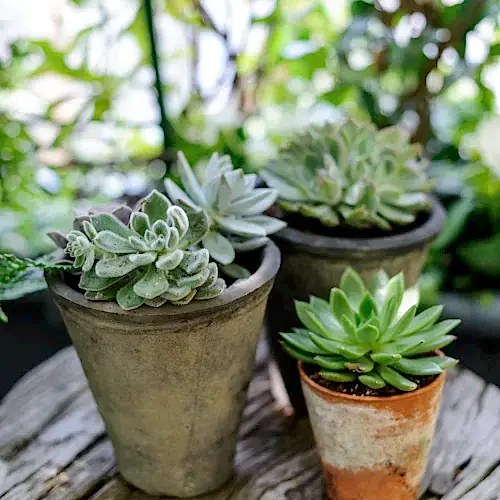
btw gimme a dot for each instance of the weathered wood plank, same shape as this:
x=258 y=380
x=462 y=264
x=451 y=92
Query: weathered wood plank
x=58 y=450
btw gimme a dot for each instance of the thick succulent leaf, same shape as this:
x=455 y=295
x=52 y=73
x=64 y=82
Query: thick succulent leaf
x=219 y=247
x=152 y=284
x=352 y=285
x=138 y=244
x=367 y=335
x=195 y=261
x=422 y=366
x=431 y=346
x=297 y=353
x=176 y=293
x=323 y=312
x=232 y=225
x=392 y=377
x=116 y=267
x=108 y=293
x=212 y=170
x=224 y=196
x=258 y=201
x=213 y=291
x=250 y=182
x=395 y=215
x=247 y=245
x=189 y=180
x=385 y=358
x=396 y=288
x=350 y=328
x=186 y=300
x=89 y=260
x=424 y=320
x=388 y=312
x=372 y=380
x=411 y=201
x=155 y=206
x=123 y=213
x=354 y=193
x=211 y=189
x=444 y=362
x=140 y=223
x=330 y=191
x=169 y=261
x=368 y=307
x=335 y=363
x=340 y=305
x=179 y=219
x=236 y=181
x=90 y=281
x=156 y=302
x=113 y=243
x=270 y=225
x=305 y=313
x=142 y=259
x=325 y=214
x=127 y=299
x=236 y=271
x=161 y=228
x=89 y=229
x=302 y=342
x=397 y=330
x=176 y=194
x=338 y=376
x=108 y=222
x=351 y=352
x=362 y=365
x=194 y=280
x=58 y=238
x=286 y=191
x=199 y=225
x=213 y=274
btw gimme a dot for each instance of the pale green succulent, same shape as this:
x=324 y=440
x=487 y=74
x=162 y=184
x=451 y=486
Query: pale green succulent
x=351 y=174
x=148 y=259
x=234 y=206
x=358 y=335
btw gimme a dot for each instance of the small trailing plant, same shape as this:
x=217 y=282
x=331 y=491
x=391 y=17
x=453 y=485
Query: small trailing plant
x=147 y=256
x=234 y=206
x=351 y=174
x=359 y=336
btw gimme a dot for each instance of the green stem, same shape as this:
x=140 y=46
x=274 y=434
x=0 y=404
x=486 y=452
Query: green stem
x=164 y=123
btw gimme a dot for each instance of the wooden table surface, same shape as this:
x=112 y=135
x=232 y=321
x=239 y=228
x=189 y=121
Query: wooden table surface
x=53 y=444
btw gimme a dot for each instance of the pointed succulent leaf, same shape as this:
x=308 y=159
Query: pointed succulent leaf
x=353 y=287
x=385 y=358
x=305 y=312
x=199 y=225
x=286 y=190
x=372 y=380
x=236 y=181
x=258 y=201
x=351 y=352
x=58 y=238
x=89 y=229
x=340 y=305
x=401 y=325
x=189 y=180
x=302 y=342
x=176 y=194
x=395 y=379
x=424 y=320
x=298 y=354
x=431 y=346
x=122 y=213
x=368 y=307
x=219 y=247
x=367 y=335
x=338 y=376
x=422 y=366
x=361 y=365
x=335 y=363
x=113 y=243
x=270 y=225
x=247 y=245
x=213 y=169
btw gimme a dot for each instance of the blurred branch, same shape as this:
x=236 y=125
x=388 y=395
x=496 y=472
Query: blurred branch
x=168 y=133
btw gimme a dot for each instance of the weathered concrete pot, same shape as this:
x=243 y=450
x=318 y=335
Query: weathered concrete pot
x=372 y=448
x=171 y=382
x=312 y=264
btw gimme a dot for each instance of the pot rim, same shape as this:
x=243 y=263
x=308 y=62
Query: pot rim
x=368 y=399
x=267 y=270
x=329 y=246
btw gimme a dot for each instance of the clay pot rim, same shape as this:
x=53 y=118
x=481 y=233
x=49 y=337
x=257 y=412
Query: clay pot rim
x=267 y=270
x=368 y=399
x=328 y=246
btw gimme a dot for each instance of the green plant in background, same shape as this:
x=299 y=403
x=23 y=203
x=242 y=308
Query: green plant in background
x=135 y=257
x=234 y=206
x=358 y=335
x=351 y=174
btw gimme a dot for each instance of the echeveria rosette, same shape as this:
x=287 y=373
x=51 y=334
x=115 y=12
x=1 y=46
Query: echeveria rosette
x=146 y=260
x=233 y=203
x=359 y=335
x=351 y=174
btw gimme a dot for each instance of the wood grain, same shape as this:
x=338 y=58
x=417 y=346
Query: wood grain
x=53 y=444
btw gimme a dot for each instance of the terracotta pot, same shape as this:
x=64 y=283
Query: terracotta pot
x=372 y=448
x=313 y=264
x=171 y=383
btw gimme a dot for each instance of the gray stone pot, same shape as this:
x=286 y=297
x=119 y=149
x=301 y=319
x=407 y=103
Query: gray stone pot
x=171 y=382
x=312 y=264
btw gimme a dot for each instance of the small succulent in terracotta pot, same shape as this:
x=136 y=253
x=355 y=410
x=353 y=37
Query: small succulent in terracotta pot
x=353 y=196
x=372 y=381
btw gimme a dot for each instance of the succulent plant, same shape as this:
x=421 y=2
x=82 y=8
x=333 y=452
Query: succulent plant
x=358 y=335
x=145 y=256
x=351 y=174
x=233 y=203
